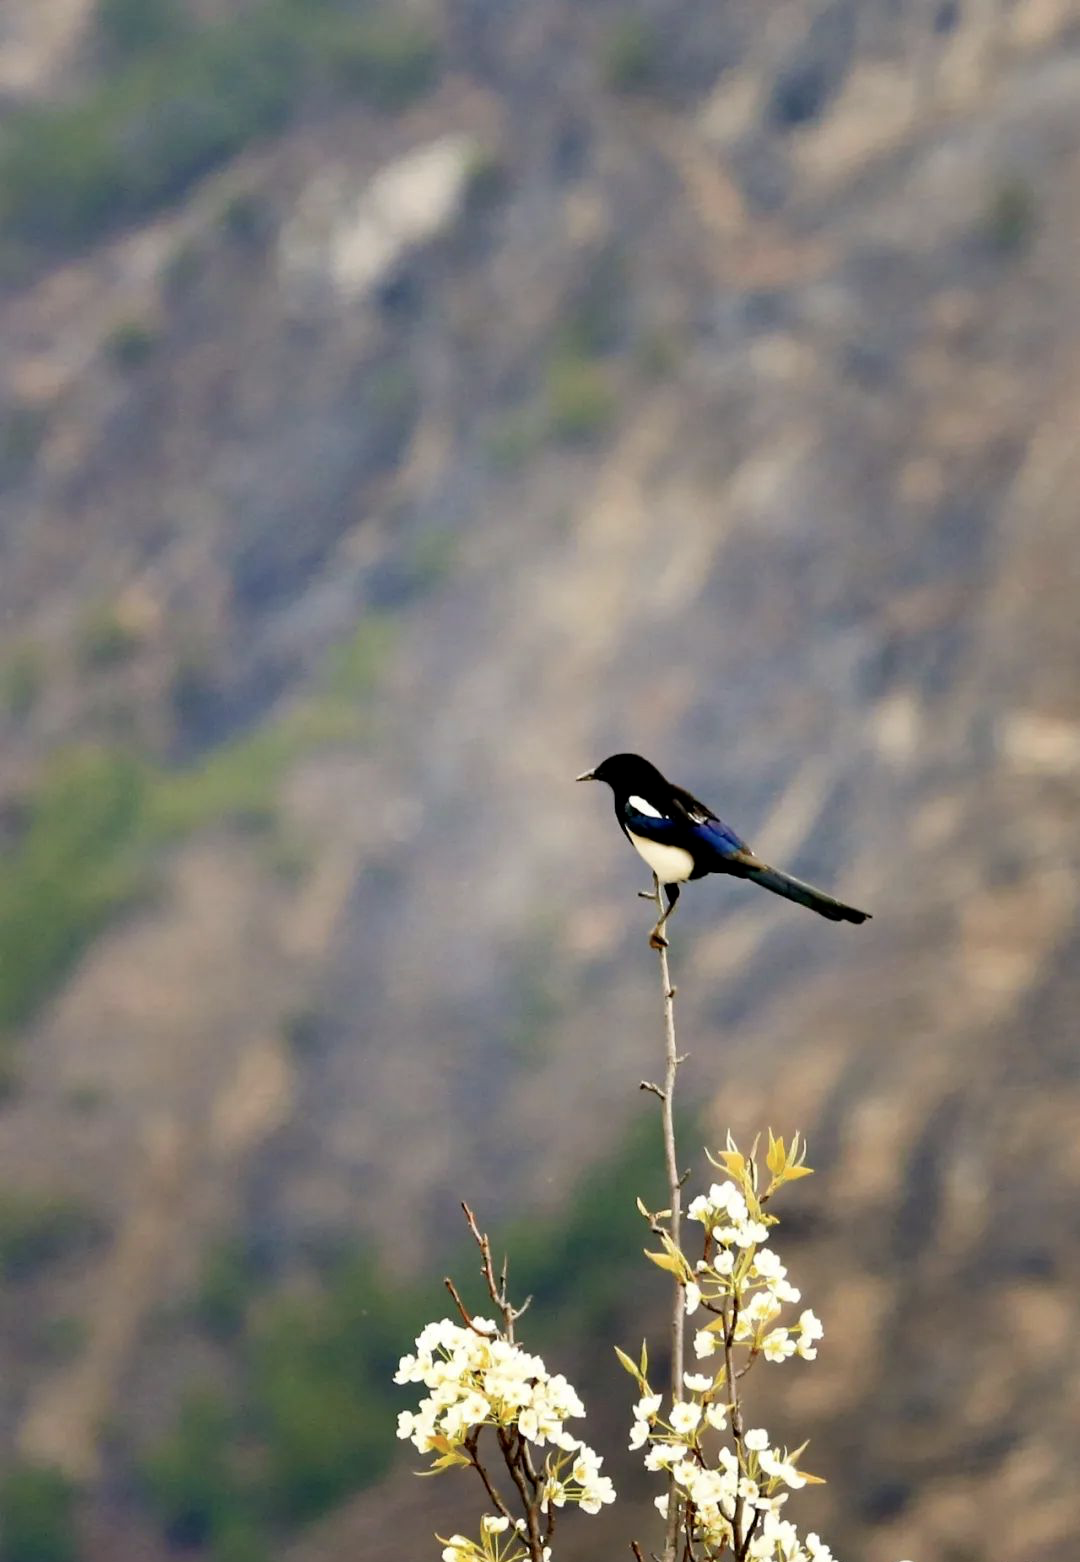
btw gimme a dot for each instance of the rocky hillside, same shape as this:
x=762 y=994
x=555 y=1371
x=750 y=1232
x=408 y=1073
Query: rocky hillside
x=399 y=410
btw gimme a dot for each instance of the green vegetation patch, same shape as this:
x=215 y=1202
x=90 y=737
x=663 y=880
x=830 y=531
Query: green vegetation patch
x=630 y=55
x=127 y=29
x=74 y=866
x=322 y=1398
x=22 y=430
x=99 y=816
x=354 y=667
x=386 y=60
x=312 y=1419
x=192 y=1480
x=22 y=678
x=131 y=343
x=225 y=1291
x=37 y=1515
x=39 y=1229
x=1011 y=218
x=181 y=100
x=581 y=399
x=105 y=637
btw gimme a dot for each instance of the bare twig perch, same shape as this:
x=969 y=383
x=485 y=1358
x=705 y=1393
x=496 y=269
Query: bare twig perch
x=667 y=1118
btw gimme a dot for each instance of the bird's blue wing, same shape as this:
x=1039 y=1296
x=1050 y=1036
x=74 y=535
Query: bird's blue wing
x=718 y=837
x=692 y=827
x=641 y=818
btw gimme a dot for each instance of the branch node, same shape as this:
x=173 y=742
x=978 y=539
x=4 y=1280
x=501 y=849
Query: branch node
x=647 y=1084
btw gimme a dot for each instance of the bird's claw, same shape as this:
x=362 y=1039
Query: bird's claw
x=657 y=939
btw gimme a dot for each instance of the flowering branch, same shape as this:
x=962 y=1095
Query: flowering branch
x=730 y=1502
x=726 y=1484
x=479 y=1377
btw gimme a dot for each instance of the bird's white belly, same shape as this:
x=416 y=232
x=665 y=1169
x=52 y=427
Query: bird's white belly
x=671 y=864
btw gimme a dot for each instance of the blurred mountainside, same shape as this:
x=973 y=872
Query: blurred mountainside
x=400 y=409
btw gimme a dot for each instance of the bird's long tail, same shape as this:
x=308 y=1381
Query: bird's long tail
x=804 y=894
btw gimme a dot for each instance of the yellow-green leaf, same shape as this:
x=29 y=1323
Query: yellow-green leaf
x=665 y=1261
x=628 y=1364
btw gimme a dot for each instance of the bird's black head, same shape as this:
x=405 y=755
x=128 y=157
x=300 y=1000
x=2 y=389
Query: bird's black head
x=626 y=773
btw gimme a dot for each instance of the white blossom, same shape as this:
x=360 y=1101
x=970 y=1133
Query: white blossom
x=777 y=1345
x=779 y=1467
x=685 y=1417
x=810 y=1331
x=475 y=1377
x=660 y=1456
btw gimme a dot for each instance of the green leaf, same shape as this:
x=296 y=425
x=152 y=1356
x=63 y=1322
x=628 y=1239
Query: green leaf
x=628 y=1364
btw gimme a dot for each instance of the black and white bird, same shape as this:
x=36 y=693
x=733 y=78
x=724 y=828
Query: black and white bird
x=680 y=838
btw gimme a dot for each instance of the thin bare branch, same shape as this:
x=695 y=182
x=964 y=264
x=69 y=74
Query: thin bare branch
x=487 y=1269
x=529 y=1501
x=489 y=1486
x=466 y=1316
x=497 y=1289
x=732 y=1378
x=675 y=1182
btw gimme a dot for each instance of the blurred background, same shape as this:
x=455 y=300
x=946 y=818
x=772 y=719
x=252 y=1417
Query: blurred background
x=402 y=407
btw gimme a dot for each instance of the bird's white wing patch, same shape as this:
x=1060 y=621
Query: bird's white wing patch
x=671 y=864
x=642 y=807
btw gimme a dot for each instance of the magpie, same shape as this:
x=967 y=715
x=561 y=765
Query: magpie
x=682 y=839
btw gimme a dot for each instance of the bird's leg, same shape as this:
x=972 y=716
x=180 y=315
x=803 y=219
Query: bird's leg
x=656 y=937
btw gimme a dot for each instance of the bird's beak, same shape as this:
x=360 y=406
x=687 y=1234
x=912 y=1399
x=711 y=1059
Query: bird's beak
x=586 y=775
